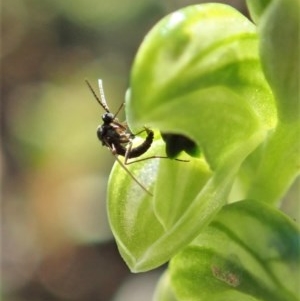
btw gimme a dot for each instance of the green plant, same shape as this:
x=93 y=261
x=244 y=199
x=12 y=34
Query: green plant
x=210 y=74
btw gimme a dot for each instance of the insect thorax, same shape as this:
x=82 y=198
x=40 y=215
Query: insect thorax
x=111 y=134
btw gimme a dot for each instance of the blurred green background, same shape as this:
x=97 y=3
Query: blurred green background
x=56 y=244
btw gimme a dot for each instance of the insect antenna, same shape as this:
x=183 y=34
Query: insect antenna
x=101 y=89
x=102 y=96
x=101 y=101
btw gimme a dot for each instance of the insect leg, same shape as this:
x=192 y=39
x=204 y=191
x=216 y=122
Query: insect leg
x=113 y=151
x=155 y=157
x=120 y=108
x=128 y=151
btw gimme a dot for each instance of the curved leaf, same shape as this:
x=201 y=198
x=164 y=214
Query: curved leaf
x=249 y=252
x=163 y=291
x=277 y=165
x=257 y=8
x=149 y=230
x=280 y=55
x=197 y=73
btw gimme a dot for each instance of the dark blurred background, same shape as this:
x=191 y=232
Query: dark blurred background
x=56 y=243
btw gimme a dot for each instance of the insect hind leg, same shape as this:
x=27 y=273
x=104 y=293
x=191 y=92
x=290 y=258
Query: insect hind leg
x=154 y=157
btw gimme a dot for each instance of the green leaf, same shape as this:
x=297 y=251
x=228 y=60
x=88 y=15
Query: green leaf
x=273 y=168
x=277 y=164
x=197 y=73
x=149 y=230
x=249 y=252
x=280 y=54
x=140 y=225
x=163 y=291
x=257 y=8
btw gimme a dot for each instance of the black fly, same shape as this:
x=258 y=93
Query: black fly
x=117 y=137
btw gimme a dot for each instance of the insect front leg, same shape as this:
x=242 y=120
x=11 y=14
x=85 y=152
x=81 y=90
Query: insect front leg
x=114 y=151
x=128 y=151
x=140 y=132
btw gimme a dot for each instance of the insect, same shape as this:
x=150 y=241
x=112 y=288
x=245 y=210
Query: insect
x=117 y=137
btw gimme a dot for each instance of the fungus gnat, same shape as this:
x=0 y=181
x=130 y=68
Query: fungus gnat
x=118 y=138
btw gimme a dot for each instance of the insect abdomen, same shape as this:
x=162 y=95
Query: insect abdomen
x=141 y=149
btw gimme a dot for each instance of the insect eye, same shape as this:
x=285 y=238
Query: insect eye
x=100 y=133
x=107 y=117
x=99 y=129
